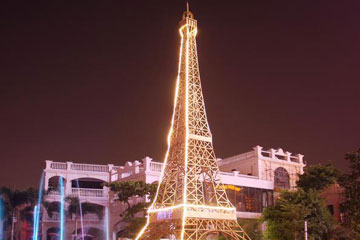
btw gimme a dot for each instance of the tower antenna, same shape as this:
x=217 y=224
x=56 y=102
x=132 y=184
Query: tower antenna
x=187 y=6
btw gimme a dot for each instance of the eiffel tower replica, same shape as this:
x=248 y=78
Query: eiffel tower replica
x=190 y=203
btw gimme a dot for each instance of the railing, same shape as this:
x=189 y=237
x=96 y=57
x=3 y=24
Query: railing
x=79 y=167
x=91 y=217
x=156 y=167
x=58 y=165
x=276 y=156
x=55 y=217
x=87 y=192
x=54 y=192
x=89 y=167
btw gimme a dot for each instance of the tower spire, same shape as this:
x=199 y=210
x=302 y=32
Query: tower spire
x=191 y=202
x=187 y=6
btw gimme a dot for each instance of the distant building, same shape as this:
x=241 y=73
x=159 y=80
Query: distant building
x=333 y=196
x=252 y=181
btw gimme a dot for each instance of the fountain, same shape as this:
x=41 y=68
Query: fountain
x=35 y=217
x=37 y=210
x=81 y=212
x=62 y=208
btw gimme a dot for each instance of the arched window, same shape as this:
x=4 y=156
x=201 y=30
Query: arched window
x=54 y=185
x=281 y=179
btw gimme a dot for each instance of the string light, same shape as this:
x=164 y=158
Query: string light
x=191 y=206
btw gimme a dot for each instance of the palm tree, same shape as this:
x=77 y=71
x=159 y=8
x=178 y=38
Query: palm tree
x=76 y=208
x=51 y=207
x=17 y=203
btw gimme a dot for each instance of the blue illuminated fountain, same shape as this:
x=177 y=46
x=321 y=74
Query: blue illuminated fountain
x=81 y=212
x=35 y=225
x=37 y=210
x=62 y=208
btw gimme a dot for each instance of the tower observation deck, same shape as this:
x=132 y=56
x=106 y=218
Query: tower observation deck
x=190 y=202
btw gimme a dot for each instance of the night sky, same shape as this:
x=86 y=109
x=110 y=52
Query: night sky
x=93 y=81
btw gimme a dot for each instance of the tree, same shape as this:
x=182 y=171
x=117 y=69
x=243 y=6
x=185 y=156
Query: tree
x=76 y=209
x=351 y=184
x=285 y=220
x=317 y=177
x=17 y=203
x=338 y=232
x=134 y=214
x=51 y=207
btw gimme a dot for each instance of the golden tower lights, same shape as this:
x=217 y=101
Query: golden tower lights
x=190 y=201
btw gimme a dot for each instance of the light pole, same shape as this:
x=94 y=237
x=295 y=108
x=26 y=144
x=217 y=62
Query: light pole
x=13 y=225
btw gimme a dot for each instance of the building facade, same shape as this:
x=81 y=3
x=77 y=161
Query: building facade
x=252 y=181
x=84 y=182
x=334 y=197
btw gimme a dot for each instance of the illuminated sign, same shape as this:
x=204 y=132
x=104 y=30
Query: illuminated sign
x=163 y=215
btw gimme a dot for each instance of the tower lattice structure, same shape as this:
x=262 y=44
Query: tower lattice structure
x=190 y=202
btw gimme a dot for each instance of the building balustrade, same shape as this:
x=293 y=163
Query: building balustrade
x=82 y=192
x=58 y=165
x=88 y=192
x=55 y=217
x=155 y=166
x=78 y=166
x=53 y=192
x=89 y=167
x=273 y=154
x=91 y=217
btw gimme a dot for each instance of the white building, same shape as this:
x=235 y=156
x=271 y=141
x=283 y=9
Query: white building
x=85 y=181
x=251 y=179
